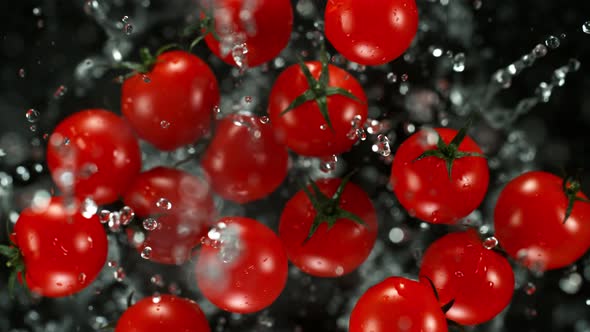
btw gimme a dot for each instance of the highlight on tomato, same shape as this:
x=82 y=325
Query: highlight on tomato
x=541 y=220
x=178 y=208
x=93 y=154
x=329 y=227
x=57 y=246
x=473 y=282
x=242 y=266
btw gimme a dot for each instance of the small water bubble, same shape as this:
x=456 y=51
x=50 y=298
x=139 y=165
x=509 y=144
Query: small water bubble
x=544 y=92
x=586 y=27
x=163 y=204
x=239 y=53
x=33 y=128
x=459 y=62
x=164 y=124
x=503 y=78
x=112 y=264
x=530 y=288
x=37 y=11
x=128 y=28
x=391 y=77
x=248 y=99
x=156 y=298
x=552 y=42
x=146 y=78
x=157 y=280
x=125 y=19
x=60 y=92
x=490 y=243
x=382 y=146
x=21 y=73
x=146 y=252
x=571 y=284
x=328 y=164
x=104 y=216
x=89 y=208
x=82 y=278
x=573 y=65
x=119 y=274
x=150 y=224
x=126 y=215
x=114 y=222
x=405 y=77
x=540 y=51
x=264 y=119
x=339 y=270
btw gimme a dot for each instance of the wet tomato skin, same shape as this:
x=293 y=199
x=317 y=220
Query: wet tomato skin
x=245 y=274
x=171 y=105
x=398 y=304
x=423 y=187
x=99 y=152
x=463 y=270
x=329 y=252
x=244 y=161
x=304 y=129
x=63 y=251
x=265 y=35
x=529 y=222
x=163 y=313
x=182 y=205
x=362 y=31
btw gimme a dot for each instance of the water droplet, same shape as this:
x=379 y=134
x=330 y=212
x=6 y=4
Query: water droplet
x=405 y=77
x=37 y=11
x=21 y=73
x=146 y=252
x=490 y=243
x=114 y=222
x=150 y=224
x=157 y=280
x=156 y=298
x=239 y=53
x=459 y=62
x=217 y=112
x=248 y=99
x=112 y=264
x=382 y=146
x=586 y=27
x=104 y=216
x=264 y=119
x=573 y=65
x=571 y=284
x=163 y=204
x=119 y=274
x=503 y=78
x=125 y=19
x=82 y=278
x=60 y=92
x=89 y=208
x=146 y=78
x=126 y=214
x=339 y=270
x=328 y=164
x=391 y=77
x=540 y=51
x=552 y=42
x=530 y=288
x=32 y=115
x=459 y=274
x=323 y=127
x=164 y=124
x=33 y=128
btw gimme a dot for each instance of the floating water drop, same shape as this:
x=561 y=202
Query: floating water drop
x=586 y=27
x=157 y=280
x=37 y=11
x=119 y=274
x=391 y=77
x=146 y=252
x=540 y=51
x=163 y=204
x=150 y=224
x=60 y=92
x=552 y=42
x=264 y=119
x=104 y=216
x=405 y=77
x=128 y=28
x=126 y=215
x=328 y=164
x=21 y=73
x=164 y=124
x=32 y=115
x=459 y=62
x=382 y=146
x=89 y=208
x=530 y=288
x=156 y=298
x=146 y=78
x=490 y=243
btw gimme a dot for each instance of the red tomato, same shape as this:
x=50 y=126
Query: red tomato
x=423 y=186
x=172 y=104
x=371 y=33
x=245 y=270
x=93 y=153
x=398 y=304
x=255 y=31
x=63 y=251
x=244 y=161
x=304 y=129
x=163 y=313
x=463 y=270
x=529 y=221
x=323 y=255
x=182 y=206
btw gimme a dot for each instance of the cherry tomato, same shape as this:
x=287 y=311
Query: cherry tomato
x=424 y=187
x=338 y=244
x=93 y=153
x=163 y=313
x=531 y=225
x=182 y=207
x=463 y=270
x=244 y=268
x=250 y=33
x=371 y=34
x=172 y=104
x=63 y=250
x=244 y=161
x=398 y=304
x=304 y=129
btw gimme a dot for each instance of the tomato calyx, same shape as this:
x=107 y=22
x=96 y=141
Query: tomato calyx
x=571 y=187
x=450 y=152
x=16 y=263
x=148 y=60
x=327 y=208
x=206 y=25
x=319 y=90
x=447 y=306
